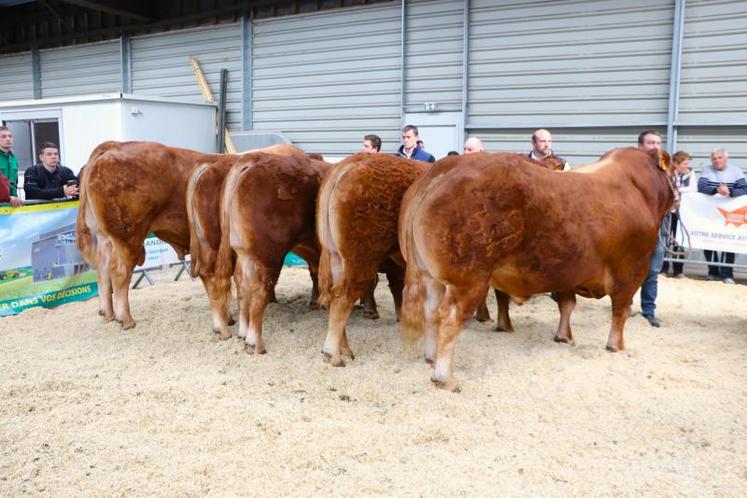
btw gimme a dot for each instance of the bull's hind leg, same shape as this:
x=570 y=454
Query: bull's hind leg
x=434 y=294
x=395 y=276
x=503 y=321
x=483 y=314
x=621 y=303
x=336 y=343
x=242 y=275
x=456 y=307
x=259 y=286
x=219 y=294
x=566 y=305
x=106 y=307
x=368 y=300
x=121 y=263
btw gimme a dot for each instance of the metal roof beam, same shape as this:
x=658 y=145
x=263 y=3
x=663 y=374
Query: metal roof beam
x=109 y=9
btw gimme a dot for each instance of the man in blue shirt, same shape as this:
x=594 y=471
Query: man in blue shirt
x=410 y=149
x=50 y=179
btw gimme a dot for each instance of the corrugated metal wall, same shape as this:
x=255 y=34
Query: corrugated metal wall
x=713 y=87
x=80 y=70
x=161 y=67
x=433 y=53
x=326 y=79
x=601 y=64
x=16 y=79
x=596 y=72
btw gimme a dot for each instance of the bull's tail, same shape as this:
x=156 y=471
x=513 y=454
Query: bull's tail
x=415 y=293
x=85 y=223
x=196 y=233
x=229 y=235
x=325 y=228
x=412 y=315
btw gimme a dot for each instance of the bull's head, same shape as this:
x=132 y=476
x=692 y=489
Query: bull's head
x=665 y=164
x=553 y=163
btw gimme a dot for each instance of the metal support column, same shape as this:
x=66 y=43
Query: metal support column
x=125 y=60
x=247 y=42
x=465 y=69
x=674 y=74
x=402 y=67
x=36 y=73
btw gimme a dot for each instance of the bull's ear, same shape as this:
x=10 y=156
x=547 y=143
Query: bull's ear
x=664 y=162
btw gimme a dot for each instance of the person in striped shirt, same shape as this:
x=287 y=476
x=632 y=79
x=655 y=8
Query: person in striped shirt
x=727 y=180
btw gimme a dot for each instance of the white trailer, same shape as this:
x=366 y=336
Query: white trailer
x=78 y=124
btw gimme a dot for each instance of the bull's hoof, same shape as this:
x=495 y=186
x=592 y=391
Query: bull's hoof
x=223 y=336
x=109 y=318
x=231 y=322
x=430 y=361
x=101 y=313
x=371 y=314
x=252 y=349
x=447 y=385
x=348 y=352
x=482 y=318
x=564 y=340
x=613 y=349
x=332 y=360
x=128 y=324
x=498 y=328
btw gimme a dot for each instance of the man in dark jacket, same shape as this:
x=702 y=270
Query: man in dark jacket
x=410 y=148
x=50 y=179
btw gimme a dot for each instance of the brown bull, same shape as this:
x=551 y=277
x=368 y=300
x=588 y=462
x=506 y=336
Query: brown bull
x=357 y=228
x=128 y=190
x=477 y=221
x=268 y=208
x=203 y=198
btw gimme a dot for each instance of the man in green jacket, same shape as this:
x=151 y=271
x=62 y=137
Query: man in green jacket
x=9 y=164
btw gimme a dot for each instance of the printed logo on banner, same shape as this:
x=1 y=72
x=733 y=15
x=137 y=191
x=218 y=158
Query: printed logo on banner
x=738 y=217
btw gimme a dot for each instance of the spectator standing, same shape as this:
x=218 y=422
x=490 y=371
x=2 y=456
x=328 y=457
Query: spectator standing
x=371 y=144
x=472 y=145
x=542 y=148
x=49 y=180
x=651 y=140
x=9 y=164
x=410 y=148
x=685 y=181
x=728 y=181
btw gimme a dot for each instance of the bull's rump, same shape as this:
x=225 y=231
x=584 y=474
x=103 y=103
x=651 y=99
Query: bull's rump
x=271 y=204
x=359 y=205
x=139 y=187
x=529 y=230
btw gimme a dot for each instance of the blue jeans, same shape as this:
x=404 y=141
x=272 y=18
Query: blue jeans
x=650 y=286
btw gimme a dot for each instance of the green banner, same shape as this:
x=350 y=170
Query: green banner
x=39 y=263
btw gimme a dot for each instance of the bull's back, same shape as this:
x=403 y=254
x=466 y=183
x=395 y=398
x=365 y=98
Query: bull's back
x=530 y=227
